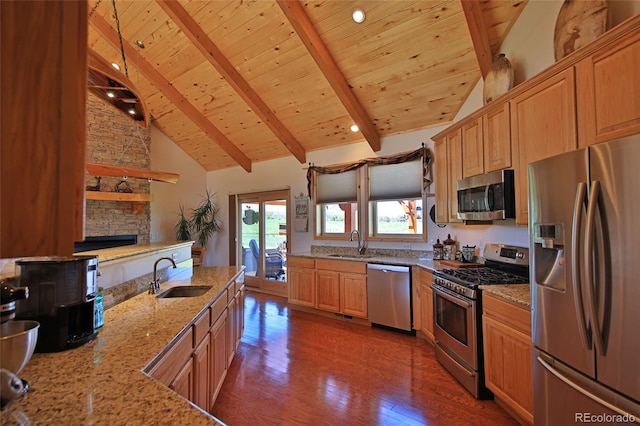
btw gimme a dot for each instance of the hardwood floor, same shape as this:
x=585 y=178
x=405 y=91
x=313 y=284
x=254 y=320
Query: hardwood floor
x=297 y=368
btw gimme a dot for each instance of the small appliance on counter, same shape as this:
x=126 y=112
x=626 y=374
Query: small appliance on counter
x=17 y=342
x=62 y=294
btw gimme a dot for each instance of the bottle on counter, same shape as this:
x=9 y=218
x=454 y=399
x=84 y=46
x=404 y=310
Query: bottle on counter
x=449 y=248
x=438 y=250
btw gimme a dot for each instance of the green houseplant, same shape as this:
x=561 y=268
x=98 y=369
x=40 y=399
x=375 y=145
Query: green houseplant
x=203 y=222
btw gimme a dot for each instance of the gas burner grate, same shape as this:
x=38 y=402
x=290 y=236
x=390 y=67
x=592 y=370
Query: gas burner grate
x=484 y=276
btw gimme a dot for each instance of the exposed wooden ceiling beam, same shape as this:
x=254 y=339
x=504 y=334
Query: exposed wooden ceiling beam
x=294 y=11
x=479 y=35
x=171 y=93
x=208 y=48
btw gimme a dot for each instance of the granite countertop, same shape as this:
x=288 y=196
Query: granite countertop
x=426 y=263
x=102 y=382
x=114 y=253
x=518 y=293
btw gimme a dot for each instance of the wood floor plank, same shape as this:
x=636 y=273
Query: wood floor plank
x=297 y=368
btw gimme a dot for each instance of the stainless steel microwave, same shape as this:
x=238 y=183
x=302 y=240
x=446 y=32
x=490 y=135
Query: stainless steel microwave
x=489 y=196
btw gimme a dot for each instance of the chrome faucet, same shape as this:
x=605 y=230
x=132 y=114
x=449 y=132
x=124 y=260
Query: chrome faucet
x=154 y=286
x=361 y=246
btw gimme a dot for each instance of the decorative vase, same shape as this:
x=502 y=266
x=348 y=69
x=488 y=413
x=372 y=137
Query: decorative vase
x=578 y=23
x=499 y=79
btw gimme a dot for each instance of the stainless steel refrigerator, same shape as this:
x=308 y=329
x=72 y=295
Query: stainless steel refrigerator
x=584 y=224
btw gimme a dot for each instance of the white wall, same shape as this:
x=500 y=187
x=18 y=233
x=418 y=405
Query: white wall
x=530 y=48
x=166 y=156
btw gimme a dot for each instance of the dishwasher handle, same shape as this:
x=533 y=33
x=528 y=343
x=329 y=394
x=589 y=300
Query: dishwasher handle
x=387 y=268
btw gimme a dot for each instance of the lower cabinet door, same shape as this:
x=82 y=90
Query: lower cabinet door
x=201 y=361
x=328 y=290
x=183 y=383
x=353 y=294
x=218 y=356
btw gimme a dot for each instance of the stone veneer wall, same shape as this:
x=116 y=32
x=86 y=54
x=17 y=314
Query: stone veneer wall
x=114 y=139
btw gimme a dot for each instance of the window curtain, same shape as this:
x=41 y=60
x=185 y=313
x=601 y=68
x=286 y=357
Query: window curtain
x=422 y=153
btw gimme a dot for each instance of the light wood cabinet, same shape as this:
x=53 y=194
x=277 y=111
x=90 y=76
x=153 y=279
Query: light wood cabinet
x=341 y=287
x=195 y=364
x=201 y=365
x=183 y=382
x=43 y=129
x=507 y=355
x=302 y=281
x=328 y=290
x=448 y=158
x=543 y=125
x=608 y=92
x=426 y=303
x=496 y=128
x=218 y=357
x=353 y=294
x=472 y=149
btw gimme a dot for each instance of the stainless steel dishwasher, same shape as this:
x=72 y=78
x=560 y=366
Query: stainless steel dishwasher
x=389 y=296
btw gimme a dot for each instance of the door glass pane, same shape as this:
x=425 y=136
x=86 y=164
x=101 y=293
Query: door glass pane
x=250 y=237
x=275 y=216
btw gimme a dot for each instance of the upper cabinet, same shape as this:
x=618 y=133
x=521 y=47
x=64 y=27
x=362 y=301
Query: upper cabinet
x=472 y=149
x=448 y=159
x=590 y=96
x=609 y=92
x=496 y=126
x=542 y=125
x=43 y=127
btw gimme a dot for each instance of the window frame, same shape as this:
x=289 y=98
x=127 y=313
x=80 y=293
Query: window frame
x=319 y=219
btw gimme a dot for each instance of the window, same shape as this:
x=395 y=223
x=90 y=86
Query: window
x=336 y=200
x=388 y=190
x=395 y=200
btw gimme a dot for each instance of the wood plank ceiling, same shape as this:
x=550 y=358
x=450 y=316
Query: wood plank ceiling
x=238 y=82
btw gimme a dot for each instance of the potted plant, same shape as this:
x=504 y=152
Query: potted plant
x=203 y=223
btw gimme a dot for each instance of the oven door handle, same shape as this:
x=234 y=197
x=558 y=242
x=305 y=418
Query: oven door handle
x=451 y=296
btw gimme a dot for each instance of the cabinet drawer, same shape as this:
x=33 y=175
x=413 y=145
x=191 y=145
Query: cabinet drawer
x=507 y=312
x=201 y=327
x=170 y=364
x=301 y=262
x=218 y=307
x=341 y=266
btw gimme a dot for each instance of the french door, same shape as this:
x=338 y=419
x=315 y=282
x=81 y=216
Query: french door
x=263 y=236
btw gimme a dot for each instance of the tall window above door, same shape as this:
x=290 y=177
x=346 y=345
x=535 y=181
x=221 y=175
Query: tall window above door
x=336 y=201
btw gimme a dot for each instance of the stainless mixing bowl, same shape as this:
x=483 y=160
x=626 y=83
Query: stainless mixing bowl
x=17 y=343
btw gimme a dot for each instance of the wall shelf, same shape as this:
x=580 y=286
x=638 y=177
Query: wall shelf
x=104 y=170
x=137 y=200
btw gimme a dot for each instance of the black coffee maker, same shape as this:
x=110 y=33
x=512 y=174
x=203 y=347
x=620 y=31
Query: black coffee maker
x=61 y=298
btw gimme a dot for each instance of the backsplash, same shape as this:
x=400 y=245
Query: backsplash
x=382 y=252
x=113 y=139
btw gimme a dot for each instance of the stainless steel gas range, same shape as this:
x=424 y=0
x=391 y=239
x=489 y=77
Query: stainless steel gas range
x=457 y=309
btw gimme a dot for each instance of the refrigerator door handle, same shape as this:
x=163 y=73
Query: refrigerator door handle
x=588 y=266
x=576 y=224
x=567 y=380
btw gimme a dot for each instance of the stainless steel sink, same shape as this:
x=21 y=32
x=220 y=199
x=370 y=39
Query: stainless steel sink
x=184 y=291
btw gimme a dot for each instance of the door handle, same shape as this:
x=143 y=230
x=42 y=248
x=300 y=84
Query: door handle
x=576 y=283
x=588 y=266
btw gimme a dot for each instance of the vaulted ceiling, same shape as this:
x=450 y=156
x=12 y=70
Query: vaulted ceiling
x=243 y=81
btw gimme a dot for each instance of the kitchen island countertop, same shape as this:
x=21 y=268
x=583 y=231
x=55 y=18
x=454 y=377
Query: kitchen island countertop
x=102 y=382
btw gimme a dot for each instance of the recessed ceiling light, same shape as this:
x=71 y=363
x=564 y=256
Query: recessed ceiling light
x=116 y=66
x=358 y=16
x=111 y=94
x=354 y=128
x=132 y=111
x=140 y=44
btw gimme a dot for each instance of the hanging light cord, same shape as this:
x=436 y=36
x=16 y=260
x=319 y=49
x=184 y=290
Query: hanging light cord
x=124 y=60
